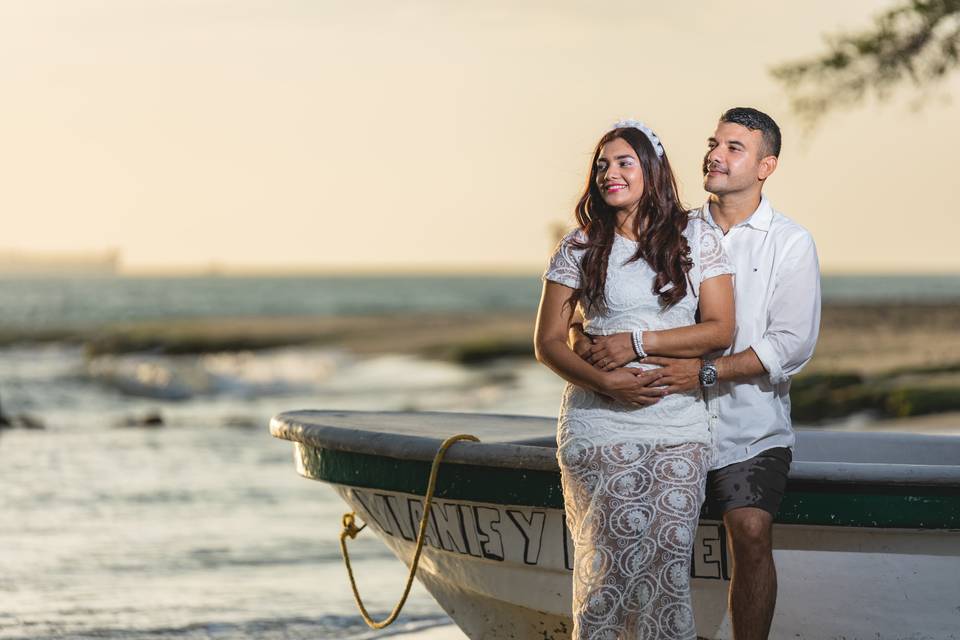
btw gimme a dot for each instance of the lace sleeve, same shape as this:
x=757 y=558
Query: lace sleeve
x=564 y=265
x=713 y=260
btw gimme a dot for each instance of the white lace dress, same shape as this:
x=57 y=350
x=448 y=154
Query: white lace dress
x=633 y=478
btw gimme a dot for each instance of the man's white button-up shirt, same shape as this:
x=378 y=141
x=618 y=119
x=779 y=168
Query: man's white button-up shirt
x=777 y=289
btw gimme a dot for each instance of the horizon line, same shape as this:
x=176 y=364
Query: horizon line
x=390 y=270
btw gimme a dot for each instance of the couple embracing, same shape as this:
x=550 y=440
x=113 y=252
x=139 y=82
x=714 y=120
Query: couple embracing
x=677 y=332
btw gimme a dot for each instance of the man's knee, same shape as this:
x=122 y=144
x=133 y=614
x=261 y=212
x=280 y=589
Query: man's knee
x=750 y=531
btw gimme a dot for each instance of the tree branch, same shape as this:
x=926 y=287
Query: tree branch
x=917 y=42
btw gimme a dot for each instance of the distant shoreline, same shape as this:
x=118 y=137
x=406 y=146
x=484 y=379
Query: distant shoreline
x=53 y=270
x=869 y=338
x=886 y=360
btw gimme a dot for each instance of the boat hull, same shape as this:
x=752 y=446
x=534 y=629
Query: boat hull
x=505 y=571
x=867 y=539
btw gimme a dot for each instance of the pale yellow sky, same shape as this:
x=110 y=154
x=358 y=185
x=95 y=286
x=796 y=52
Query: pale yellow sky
x=424 y=134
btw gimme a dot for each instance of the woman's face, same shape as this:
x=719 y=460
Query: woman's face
x=619 y=175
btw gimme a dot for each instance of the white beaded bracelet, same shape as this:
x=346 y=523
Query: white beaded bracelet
x=638 y=344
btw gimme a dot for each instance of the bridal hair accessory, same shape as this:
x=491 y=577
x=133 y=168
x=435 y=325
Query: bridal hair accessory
x=647 y=131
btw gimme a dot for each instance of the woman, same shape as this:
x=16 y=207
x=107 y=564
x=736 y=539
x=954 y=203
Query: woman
x=633 y=475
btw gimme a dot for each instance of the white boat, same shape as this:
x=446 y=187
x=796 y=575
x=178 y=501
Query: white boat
x=867 y=540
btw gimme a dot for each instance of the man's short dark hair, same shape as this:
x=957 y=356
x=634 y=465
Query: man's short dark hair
x=756 y=121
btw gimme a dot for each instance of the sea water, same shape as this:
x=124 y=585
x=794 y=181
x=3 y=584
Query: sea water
x=188 y=532
x=200 y=528
x=35 y=303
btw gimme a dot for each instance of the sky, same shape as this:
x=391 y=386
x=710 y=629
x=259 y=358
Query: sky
x=428 y=134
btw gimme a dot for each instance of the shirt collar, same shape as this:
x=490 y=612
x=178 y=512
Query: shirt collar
x=759 y=219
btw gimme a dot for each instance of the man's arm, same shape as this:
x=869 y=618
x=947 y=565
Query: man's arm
x=793 y=314
x=683 y=374
x=739 y=366
x=793 y=325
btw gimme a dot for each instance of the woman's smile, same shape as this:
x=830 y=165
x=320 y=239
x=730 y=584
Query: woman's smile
x=619 y=175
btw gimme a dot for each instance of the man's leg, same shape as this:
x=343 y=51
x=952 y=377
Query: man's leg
x=748 y=493
x=753 y=584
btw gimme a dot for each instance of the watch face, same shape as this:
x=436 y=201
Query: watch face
x=708 y=376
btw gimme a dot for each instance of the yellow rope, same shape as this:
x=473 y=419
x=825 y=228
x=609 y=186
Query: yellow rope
x=351 y=530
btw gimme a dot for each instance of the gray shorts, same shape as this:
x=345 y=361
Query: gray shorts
x=758 y=482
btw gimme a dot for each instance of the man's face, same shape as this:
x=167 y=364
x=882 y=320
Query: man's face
x=734 y=161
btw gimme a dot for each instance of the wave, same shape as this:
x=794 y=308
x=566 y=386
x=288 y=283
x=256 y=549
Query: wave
x=66 y=387
x=309 y=554
x=276 y=372
x=244 y=374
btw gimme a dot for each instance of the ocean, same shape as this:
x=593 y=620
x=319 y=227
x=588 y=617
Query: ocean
x=111 y=527
x=57 y=303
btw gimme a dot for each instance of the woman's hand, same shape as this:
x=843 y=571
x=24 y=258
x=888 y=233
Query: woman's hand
x=633 y=386
x=611 y=352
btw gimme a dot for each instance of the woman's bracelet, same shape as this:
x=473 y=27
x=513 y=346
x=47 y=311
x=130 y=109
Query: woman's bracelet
x=638 y=344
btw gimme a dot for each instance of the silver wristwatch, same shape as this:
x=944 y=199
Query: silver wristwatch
x=708 y=374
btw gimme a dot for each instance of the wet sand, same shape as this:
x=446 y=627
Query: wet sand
x=866 y=339
x=882 y=338
x=433 y=335
x=450 y=632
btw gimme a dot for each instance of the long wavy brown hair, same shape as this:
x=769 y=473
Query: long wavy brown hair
x=658 y=226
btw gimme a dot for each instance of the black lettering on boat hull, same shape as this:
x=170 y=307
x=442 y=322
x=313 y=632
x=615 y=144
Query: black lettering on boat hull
x=449 y=527
x=415 y=508
x=470 y=531
x=709 y=560
x=532 y=532
x=491 y=542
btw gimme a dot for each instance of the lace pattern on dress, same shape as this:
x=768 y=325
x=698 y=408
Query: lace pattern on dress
x=632 y=511
x=713 y=261
x=564 y=267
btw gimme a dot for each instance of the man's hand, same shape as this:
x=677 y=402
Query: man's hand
x=633 y=386
x=611 y=352
x=579 y=341
x=677 y=374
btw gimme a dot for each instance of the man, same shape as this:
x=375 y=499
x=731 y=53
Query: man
x=777 y=285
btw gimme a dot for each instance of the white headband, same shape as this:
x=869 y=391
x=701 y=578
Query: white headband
x=647 y=131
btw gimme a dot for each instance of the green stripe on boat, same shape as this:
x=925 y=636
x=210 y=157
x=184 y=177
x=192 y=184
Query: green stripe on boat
x=806 y=503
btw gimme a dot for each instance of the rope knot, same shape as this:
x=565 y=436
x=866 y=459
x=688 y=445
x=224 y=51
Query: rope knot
x=350 y=527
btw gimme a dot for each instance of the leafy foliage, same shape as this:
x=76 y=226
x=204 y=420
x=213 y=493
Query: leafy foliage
x=917 y=41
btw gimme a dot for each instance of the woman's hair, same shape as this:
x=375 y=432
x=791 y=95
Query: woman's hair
x=658 y=226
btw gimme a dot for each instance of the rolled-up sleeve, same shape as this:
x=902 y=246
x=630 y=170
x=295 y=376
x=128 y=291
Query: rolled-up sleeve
x=793 y=314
